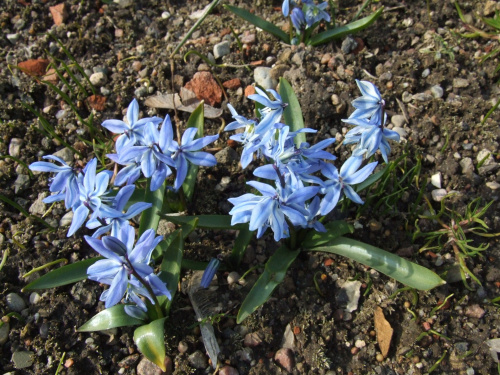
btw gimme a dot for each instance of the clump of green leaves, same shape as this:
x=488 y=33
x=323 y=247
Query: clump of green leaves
x=455 y=233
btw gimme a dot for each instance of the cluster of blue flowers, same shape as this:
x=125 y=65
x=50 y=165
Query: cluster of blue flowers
x=298 y=196
x=309 y=15
x=140 y=147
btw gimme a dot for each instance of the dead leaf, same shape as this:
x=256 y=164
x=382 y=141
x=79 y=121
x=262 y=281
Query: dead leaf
x=384 y=331
x=186 y=102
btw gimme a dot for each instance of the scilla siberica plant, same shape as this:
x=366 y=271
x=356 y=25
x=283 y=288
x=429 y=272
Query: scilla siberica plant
x=300 y=186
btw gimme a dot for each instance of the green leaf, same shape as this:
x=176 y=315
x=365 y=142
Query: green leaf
x=334 y=229
x=150 y=342
x=113 y=317
x=404 y=271
x=207 y=221
x=151 y=217
x=240 y=245
x=274 y=273
x=350 y=28
x=259 y=22
x=64 y=275
x=196 y=120
x=292 y=114
x=171 y=268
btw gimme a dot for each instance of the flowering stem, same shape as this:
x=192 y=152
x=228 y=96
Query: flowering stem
x=159 y=313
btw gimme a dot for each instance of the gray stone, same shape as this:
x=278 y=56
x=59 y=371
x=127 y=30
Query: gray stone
x=233 y=277
x=22 y=359
x=406 y=97
x=262 y=77
x=15 y=302
x=437 y=91
x=422 y=97
x=426 y=73
x=98 y=79
x=460 y=82
x=198 y=360
x=467 y=166
x=146 y=367
x=226 y=156
x=228 y=370
x=65 y=154
x=4 y=333
x=66 y=219
x=140 y=91
x=15 y=147
x=401 y=131
x=13 y=38
x=349 y=44
x=398 y=120
x=21 y=183
x=285 y=358
x=165 y=15
x=439 y=194
x=38 y=207
x=352 y=292
x=493 y=185
x=34 y=298
x=248 y=39
x=489 y=8
x=222 y=49
x=436 y=180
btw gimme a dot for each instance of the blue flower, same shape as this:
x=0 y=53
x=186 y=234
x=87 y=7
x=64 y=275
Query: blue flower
x=298 y=20
x=270 y=209
x=188 y=151
x=315 y=13
x=123 y=260
x=131 y=131
x=370 y=105
x=64 y=184
x=370 y=136
x=118 y=203
x=272 y=111
x=285 y=8
x=338 y=183
x=92 y=191
x=153 y=153
x=313 y=211
x=209 y=272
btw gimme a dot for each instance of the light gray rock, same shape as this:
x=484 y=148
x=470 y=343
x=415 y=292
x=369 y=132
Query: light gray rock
x=467 y=166
x=436 y=180
x=398 y=120
x=460 y=82
x=438 y=194
x=22 y=359
x=4 y=333
x=15 y=147
x=198 y=360
x=222 y=49
x=66 y=219
x=437 y=91
x=262 y=77
x=98 y=79
x=352 y=291
x=226 y=156
x=15 y=302
x=38 y=207
x=21 y=183
x=65 y=154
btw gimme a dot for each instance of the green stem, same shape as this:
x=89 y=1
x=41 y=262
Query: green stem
x=148 y=288
x=45 y=266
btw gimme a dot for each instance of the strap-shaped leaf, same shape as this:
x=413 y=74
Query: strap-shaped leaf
x=334 y=229
x=151 y=217
x=240 y=245
x=292 y=114
x=274 y=273
x=171 y=268
x=400 y=269
x=207 y=221
x=110 y=318
x=350 y=28
x=259 y=22
x=150 y=342
x=196 y=120
x=64 y=275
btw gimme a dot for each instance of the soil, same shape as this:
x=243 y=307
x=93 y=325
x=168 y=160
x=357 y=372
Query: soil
x=437 y=90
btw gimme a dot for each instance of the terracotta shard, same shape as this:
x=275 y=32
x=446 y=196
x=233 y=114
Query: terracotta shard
x=97 y=102
x=384 y=331
x=59 y=13
x=33 y=67
x=206 y=88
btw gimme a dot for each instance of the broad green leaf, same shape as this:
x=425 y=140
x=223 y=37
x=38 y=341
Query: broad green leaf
x=400 y=269
x=196 y=120
x=240 y=245
x=274 y=273
x=171 y=268
x=150 y=342
x=259 y=22
x=292 y=114
x=113 y=317
x=207 y=221
x=151 y=217
x=64 y=275
x=350 y=28
x=334 y=229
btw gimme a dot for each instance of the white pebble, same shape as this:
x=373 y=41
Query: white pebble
x=436 y=180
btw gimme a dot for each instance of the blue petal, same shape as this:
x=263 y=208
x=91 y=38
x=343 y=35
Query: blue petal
x=201 y=158
x=123 y=196
x=98 y=246
x=261 y=213
x=264 y=189
x=115 y=126
x=199 y=143
x=188 y=136
x=79 y=216
x=117 y=288
x=209 y=272
x=182 y=169
x=133 y=112
x=361 y=175
x=166 y=134
x=115 y=245
x=90 y=174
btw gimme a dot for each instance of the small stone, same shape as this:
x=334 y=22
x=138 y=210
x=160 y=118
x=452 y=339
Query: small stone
x=438 y=194
x=284 y=358
x=437 y=91
x=232 y=84
x=4 y=333
x=406 y=97
x=233 y=277
x=34 y=67
x=34 y=298
x=401 y=131
x=398 y=120
x=226 y=156
x=335 y=99
x=249 y=90
x=493 y=185
x=460 y=82
x=146 y=367
x=198 y=360
x=22 y=359
x=385 y=77
x=262 y=77
x=97 y=102
x=222 y=49
x=436 y=180
x=325 y=58
x=22 y=182
x=206 y=88
x=66 y=219
x=98 y=79
x=467 y=166
x=489 y=8
x=247 y=38
x=13 y=38
x=349 y=44
x=15 y=147
x=374 y=225
x=182 y=347
x=422 y=97
x=351 y=292
x=59 y=13
x=360 y=344
x=125 y=3
x=474 y=311
x=426 y=73
x=252 y=340
x=228 y=370
x=165 y=15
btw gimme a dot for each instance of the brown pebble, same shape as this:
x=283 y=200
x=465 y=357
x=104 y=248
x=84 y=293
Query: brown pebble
x=328 y=262
x=136 y=65
x=296 y=330
x=228 y=370
x=252 y=340
x=284 y=357
x=373 y=333
x=68 y=363
x=407 y=305
x=354 y=350
x=232 y=84
x=379 y=357
x=426 y=326
x=249 y=90
x=474 y=311
x=415 y=359
x=389 y=85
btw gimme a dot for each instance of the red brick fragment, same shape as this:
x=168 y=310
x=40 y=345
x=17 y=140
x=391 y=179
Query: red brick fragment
x=33 y=67
x=232 y=84
x=206 y=88
x=59 y=13
x=97 y=102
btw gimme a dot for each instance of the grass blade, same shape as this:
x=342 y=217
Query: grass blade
x=292 y=114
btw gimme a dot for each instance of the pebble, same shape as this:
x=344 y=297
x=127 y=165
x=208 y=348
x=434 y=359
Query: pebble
x=198 y=360
x=165 y=15
x=398 y=120
x=352 y=291
x=4 y=333
x=146 y=367
x=65 y=154
x=335 y=99
x=233 y=277
x=387 y=76
x=467 y=166
x=401 y=131
x=34 y=298
x=438 y=194
x=406 y=97
x=460 y=82
x=13 y=38
x=360 y=344
x=474 y=311
x=348 y=44
x=262 y=77
x=422 y=97
x=22 y=359
x=15 y=147
x=374 y=225
x=228 y=370
x=38 y=207
x=182 y=347
x=15 y=302
x=226 y=156
x=493 y=185
x=436 y=180
x=426 y=73
x=284 y=357
x=247 y=39
x=66 y=219
x=98 y=79
x=222 y=49
x=252 y=340
x=437 y=91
